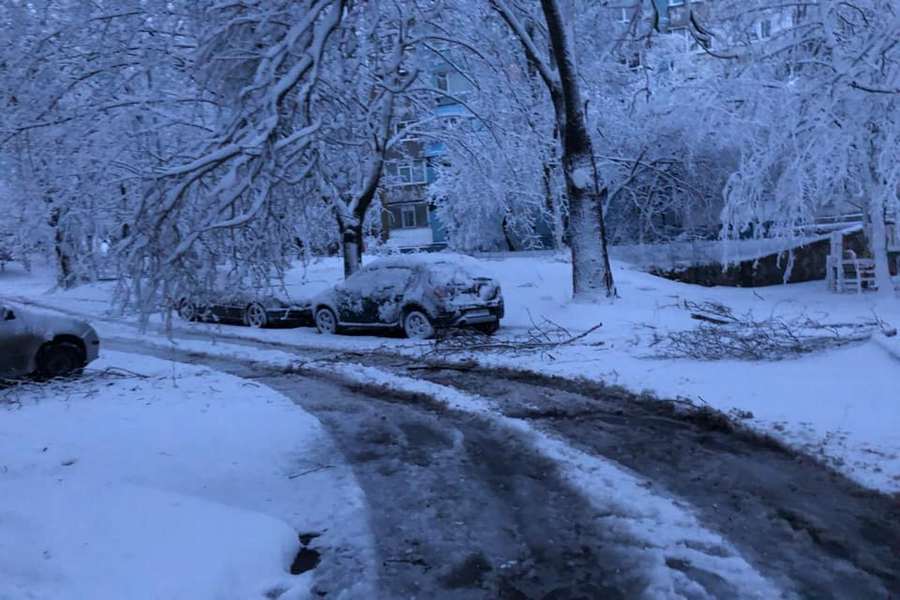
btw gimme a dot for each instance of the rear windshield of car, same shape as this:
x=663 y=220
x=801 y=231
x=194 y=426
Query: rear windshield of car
x=394 y=277
x=450 y=274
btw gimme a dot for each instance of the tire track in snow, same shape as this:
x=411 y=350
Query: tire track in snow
x=663 y=543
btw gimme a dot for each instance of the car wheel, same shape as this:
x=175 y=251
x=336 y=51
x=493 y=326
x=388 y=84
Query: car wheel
x=187 y=310
x=326 y=321
x=417 y=325
x=255 y=316
x=488 y=328
x=59 y=359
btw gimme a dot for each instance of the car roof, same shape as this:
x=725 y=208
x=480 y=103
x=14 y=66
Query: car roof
x=425 y=259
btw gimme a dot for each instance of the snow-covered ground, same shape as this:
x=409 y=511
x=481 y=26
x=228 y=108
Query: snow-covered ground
x=151 y=479
x=841 y=404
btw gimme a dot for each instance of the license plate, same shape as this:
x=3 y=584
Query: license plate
x=478 y=313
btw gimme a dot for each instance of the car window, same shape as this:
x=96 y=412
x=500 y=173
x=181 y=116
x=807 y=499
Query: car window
x=363 y=282
x=395 y=278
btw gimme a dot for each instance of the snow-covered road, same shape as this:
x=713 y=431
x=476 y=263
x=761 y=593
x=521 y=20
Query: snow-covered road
x=520 y=487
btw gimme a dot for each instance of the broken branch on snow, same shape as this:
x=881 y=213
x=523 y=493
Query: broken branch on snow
x=724 y=335
x=542 y=337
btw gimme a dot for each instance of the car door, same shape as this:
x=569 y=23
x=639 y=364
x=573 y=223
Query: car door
x=389 y=290
x=231 y=309
x=15 y=344
x=356 y=298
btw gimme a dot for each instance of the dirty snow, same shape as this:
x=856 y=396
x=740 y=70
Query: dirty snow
x=655 y=530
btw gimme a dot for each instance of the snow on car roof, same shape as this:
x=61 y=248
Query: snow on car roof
x=445 y=261
x=431 y=258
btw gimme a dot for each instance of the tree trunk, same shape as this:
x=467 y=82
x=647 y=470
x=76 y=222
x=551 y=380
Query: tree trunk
x=878 y=189
x=63 y=260
x=504 y=226
x=352 y=247
x=553 y=207
x=591 y=273
x=878 y=242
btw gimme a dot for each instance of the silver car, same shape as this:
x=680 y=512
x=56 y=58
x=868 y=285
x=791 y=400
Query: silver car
x=46 y=345
x=417 y=294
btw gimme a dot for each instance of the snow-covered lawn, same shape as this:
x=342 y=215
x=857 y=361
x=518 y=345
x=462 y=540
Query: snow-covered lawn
x=178 y=483
x=842 y=404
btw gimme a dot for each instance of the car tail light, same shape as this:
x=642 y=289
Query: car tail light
x=488 y=291
x=442 y=292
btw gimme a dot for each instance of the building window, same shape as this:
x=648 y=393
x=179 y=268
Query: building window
x=407 y=172
x=412 y=172
x=408 y=217
x=413 y=215
x=400 y=126
x=442 y=81
x=761 y=30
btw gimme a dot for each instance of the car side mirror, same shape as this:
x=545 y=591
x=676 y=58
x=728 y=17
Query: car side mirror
x=8 y=315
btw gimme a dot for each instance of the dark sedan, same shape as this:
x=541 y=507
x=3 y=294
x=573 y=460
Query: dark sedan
x=244 y=309
x=414 y=294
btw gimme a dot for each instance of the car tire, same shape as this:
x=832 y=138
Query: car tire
x=187 y=310
x=417 y=325
x=488 y=328
x=59 y=359
x=326 y=321
x=255 y=316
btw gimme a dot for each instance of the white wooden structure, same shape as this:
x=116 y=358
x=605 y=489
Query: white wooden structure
x=847 y=272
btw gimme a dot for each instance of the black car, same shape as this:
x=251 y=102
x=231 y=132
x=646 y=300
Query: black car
x=416 y=294
x=244 y=309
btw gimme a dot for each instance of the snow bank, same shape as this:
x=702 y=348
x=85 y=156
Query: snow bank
x=177 y=485
x=78 y=539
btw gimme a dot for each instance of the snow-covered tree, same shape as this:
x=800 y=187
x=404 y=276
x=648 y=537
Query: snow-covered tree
x=93 y=95
x=820 y=100
x=551 y=50
x=368 y=76
x=498 y=175
x=227 y=202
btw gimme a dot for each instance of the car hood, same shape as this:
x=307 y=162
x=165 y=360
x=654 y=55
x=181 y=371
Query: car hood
x=50 y=324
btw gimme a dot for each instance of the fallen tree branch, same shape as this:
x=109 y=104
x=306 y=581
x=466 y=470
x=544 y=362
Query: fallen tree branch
x=542 y=338
x=723 y=335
